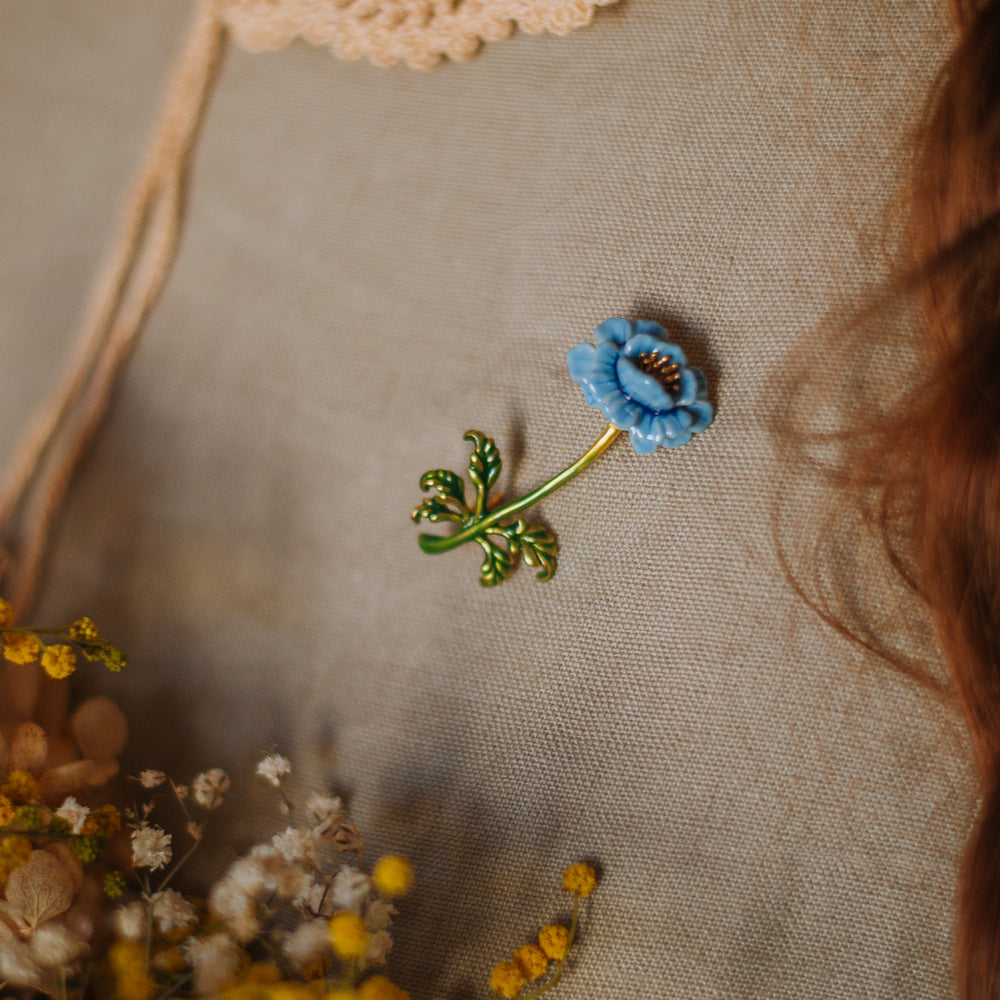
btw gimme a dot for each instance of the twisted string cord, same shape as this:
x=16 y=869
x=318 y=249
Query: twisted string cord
x=132 y=280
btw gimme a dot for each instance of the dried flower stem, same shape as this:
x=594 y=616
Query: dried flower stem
x=183 y=981
x=177 y=867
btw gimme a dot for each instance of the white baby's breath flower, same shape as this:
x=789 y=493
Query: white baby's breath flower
x=379 y=914
x=296 y=844
x=181 y=791
x=248 y=874
x=315 y=899
x=73 y=813
x=215 y=960
x=286 y=878
x=171 y=911
x=209 y=787
x=151 y=779
x=324 y=808
x=54 y=945
x=292 y=882
x=129 y=921
x=350 y=889
x=379 y=946
x=150 y=847
x=308 y=943
x=273 y=768
x=235 y=898
x=17 y=965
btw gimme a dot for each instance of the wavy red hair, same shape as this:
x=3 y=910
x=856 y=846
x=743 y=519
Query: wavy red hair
x=939 y=464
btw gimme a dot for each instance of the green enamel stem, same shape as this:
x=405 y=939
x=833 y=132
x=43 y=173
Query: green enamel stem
x=442 y=543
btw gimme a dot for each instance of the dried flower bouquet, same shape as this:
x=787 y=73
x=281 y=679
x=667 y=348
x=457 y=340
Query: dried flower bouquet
x=88 y=901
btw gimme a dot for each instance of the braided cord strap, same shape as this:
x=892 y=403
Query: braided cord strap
x=417 y=32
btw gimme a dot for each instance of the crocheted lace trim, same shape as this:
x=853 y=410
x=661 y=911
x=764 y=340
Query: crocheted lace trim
x=418 y=32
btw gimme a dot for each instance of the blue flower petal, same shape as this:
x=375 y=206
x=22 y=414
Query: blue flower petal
x=621 y=411
x=644 y=389
x=629 y=398
x=642 y=445
x=579 y=359
x=649 y=427
x=645 y=343
x=605 y=357
x=580 y=362
x=615 y=329
x=647 y=326
x=687 y=389
x=675 y=424
x=678 y=441
x=701 y=412
x=604 y=387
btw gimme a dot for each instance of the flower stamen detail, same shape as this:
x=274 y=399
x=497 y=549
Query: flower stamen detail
x=666 y=371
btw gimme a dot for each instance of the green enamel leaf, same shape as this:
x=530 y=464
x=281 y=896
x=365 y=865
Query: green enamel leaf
x=540 y=550
x=496 y=565
x=484 y=462
x=446 y=483
x=436 y=509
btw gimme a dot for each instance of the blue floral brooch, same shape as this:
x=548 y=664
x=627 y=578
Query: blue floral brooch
x=641 y=383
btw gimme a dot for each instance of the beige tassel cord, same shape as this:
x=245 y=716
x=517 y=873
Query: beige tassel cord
x=136 y=272
x=418 y=32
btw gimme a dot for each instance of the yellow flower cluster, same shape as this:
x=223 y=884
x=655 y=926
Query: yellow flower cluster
x=15 y=852
x=380 y=988
x=7 y=810
x=374 y=988
x=554 y=940
x=261 y=981
x=114 y=884
x=105 y=820
x=22 y=787
x=84 y=630
x=128 y=964
x=21 y=647
x=531 y=961
x=393 y=875
x=58 y=661
x=506 y=979
x=579 y=879
x=348 y=936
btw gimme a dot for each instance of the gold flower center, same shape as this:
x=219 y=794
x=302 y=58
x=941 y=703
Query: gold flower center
x=665 y=371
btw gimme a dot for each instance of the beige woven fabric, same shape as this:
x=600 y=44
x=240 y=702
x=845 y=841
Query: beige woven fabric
x=377 y=261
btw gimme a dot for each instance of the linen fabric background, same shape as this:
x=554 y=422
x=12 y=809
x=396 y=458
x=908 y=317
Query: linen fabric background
x=376 y=261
